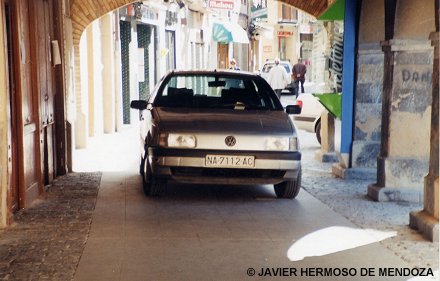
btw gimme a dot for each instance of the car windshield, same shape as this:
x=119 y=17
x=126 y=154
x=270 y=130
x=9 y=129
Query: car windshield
x=216 y=90
x=268 y=66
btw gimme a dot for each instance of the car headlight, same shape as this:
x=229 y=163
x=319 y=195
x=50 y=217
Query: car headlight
x=177 y=140
x=273 y=143
x=282 y=144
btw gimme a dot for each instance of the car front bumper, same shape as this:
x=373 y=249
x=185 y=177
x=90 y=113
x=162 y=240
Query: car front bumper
x=188 y=166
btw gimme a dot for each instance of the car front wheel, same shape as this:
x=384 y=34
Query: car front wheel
x=318 y=132
x=289 y=189
x=151 y=185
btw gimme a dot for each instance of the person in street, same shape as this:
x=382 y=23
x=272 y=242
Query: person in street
x=278 y=78
x=299 y=72
x=233 y=64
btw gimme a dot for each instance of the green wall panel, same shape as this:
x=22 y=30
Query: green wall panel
x=125 y=29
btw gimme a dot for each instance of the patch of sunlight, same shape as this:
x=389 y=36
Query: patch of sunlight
x=334 y=239
x=110 y=152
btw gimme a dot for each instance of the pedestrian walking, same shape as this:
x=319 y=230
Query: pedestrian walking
x=278 y=78
x=233 y=64
x=299 y=72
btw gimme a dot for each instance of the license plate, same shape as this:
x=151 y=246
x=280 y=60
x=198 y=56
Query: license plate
x=228 y=161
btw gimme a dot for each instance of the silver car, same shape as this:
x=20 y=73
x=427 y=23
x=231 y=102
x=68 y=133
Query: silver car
x=218 y=127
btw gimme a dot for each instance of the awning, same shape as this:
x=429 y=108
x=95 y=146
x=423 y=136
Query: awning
x=226 y=32
x=334 y=12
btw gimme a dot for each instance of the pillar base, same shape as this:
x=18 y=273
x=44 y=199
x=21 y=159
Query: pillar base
x=326 y=157
x=425 y=223
x=80 y=131
x=383 y=194
x=354 y=173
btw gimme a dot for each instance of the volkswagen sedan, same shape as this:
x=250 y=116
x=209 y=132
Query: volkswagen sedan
x=218 y=127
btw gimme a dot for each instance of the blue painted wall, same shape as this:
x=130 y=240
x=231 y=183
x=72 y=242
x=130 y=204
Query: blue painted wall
x=348 y=74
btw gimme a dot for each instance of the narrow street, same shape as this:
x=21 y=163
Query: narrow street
x=225 y=230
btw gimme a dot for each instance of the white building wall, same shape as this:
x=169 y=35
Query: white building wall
x=320 y=45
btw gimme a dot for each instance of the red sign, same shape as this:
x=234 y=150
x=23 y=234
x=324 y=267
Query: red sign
x=221 y=4
x=285 y=33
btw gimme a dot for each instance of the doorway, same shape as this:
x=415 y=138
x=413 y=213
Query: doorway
x=223 y=56
x=13 y=190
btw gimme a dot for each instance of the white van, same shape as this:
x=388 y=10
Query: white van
x=264 y=72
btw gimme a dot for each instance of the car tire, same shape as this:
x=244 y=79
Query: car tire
x=318 y=131
x=146 y=176
x=157 y=186
x=151 y=185
x=289 y=189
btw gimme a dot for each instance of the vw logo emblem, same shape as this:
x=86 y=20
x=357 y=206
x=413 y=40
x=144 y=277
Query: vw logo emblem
x=230 y=141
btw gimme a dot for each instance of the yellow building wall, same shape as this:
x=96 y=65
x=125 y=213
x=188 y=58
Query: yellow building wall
x=270 y=39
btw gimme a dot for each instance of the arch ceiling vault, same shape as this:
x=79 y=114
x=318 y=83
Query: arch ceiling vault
x=83 y=12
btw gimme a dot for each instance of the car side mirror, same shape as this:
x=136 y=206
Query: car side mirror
x=139 y=104
x=293 y=109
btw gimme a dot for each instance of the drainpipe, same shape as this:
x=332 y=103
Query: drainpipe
x=348 y=80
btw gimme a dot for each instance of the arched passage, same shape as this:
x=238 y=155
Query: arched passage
x=84 y=12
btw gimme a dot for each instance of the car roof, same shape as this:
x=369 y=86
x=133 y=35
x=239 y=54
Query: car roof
x=281 y=61
x=228 y=72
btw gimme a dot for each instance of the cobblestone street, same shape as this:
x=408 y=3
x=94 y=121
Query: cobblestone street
x=46 y=241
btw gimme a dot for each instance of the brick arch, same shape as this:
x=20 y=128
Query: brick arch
x=313 y=7
x=83 y=12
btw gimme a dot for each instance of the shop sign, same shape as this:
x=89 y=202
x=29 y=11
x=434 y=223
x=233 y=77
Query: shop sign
x=284 y=33
x=221 y=4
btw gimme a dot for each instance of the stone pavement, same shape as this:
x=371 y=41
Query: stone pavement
x=46 y=241
x=348 y=197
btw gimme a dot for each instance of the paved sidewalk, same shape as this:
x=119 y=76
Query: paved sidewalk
x=50 y=240
x=47 y=240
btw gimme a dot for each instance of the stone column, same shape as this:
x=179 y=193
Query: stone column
x=406 y=118
x=91 y=79
x=108 y=75
x=81 y=124
x=327 y=151
x=406 y=105
x=427 y=221
x=368 y=111
x=368 y=97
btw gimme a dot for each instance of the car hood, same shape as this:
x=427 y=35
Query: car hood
x=241 y=121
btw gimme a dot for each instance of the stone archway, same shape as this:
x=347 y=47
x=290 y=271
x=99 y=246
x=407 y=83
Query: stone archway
x=83 y=12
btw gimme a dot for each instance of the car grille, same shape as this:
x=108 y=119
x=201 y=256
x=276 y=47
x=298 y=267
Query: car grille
x=230 y=173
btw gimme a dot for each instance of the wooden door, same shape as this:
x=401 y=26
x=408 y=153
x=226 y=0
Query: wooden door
x=223 y=56
x=42 y=20
x=24 y=106
x=13 y=192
